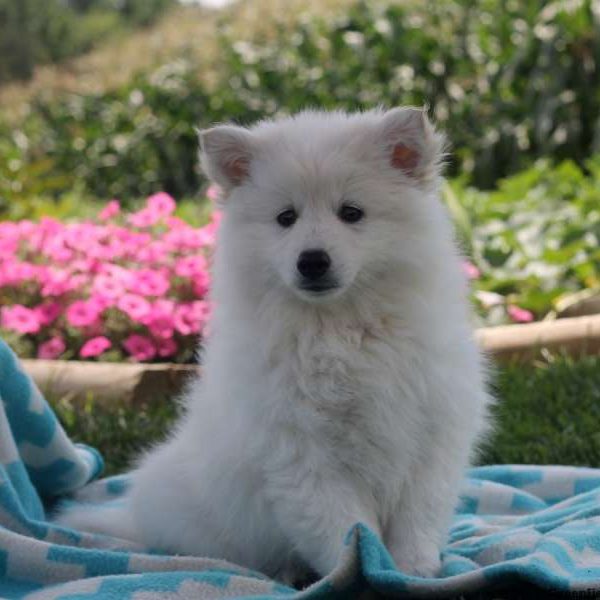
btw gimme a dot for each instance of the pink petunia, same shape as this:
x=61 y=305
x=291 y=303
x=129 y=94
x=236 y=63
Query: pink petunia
x=166 y=347
x=140 y=347
x=134 y=306
x=208 y=234
x=161 y=204
x=149 y=282
x=112 y=209
x=201 y=284
x=15 y=272
x=190 y=266
x=161 y=326
x=56 y=282
x=47 y=313
x=52 y=348
x=108 y=286
x=20 y=319
x=470 y=270
x=156 y=253
x=190 y=317
x=95 y=347
x=83 y=313
x=519 y=315
x=143 y=218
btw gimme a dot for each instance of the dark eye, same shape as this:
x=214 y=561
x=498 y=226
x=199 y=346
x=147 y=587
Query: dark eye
x=287 y=218
x=350 y=214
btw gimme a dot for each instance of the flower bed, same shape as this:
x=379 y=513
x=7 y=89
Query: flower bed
x=118 y=287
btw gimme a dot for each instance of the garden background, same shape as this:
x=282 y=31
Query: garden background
x=107 y=226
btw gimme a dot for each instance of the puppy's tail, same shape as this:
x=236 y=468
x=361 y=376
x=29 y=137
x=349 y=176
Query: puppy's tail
x=112 y=519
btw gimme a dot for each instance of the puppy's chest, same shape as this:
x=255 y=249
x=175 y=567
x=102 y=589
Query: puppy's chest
x=345 y=399
x=344 y=381
x=331 y=370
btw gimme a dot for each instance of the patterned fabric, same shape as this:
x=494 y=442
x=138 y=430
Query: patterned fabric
x=514 y=525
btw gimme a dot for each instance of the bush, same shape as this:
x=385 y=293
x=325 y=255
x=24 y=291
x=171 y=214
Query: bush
x=534 y=241
x=509 y=82
x=125 y=144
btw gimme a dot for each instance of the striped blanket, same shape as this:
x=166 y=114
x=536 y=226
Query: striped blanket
x=515 y=526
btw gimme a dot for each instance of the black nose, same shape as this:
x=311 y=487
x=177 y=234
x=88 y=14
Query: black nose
x=313 y=264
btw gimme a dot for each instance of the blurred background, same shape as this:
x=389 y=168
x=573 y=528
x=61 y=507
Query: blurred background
x=99 y=100
x=98 y=104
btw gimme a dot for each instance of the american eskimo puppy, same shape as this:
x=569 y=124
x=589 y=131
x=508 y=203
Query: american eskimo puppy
x=341 y=383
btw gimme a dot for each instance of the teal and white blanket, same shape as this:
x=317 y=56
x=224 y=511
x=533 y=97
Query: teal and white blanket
x=516 y=526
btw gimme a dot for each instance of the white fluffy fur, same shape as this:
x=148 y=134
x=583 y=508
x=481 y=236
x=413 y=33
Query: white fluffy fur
x=316 y=412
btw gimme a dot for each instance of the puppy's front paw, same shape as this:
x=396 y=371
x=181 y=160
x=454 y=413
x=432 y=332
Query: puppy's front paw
x=420 y=560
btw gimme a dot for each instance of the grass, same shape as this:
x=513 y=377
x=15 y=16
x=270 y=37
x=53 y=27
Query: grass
x=546 y=414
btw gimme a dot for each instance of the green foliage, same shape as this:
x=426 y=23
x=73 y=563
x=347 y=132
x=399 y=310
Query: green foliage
x=547 y=414
x=35 y=32
x=537 y=237
x=509 y=82
x=126 y=143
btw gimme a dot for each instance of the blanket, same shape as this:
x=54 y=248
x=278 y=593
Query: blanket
x=514 y=526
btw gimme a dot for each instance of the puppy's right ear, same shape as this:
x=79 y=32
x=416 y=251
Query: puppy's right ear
x=226 y=153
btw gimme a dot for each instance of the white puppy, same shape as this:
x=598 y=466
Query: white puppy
x=341 y=382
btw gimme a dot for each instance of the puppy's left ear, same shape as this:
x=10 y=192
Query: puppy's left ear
x=412 y=144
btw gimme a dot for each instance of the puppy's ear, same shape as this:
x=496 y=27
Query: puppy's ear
x=412 y=144
x=226 y=152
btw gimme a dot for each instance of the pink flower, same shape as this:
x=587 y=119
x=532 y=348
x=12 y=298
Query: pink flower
x=83 y=313
x=108 y=287
x=156 y=252
x=56 y=282
x=112 y=209
x=201 y=284
x=175 y=223
x=15 y=272
x=20 y=318
x=166 y=347
x=161 y=204
x=95 y=347
x=52 y=348
x=190 y=266
x=164 y=306
x=140 y=347
x=144 y=218
x=149 y=282
x=189 y=318
x=470 y=270
x=161 y=326
x=47 y=313
x=135 y=307
x=208 y=233
x=518 y=314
